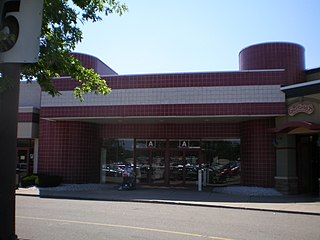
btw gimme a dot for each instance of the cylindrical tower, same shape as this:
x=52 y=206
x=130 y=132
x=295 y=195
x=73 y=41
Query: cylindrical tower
x=275 y=55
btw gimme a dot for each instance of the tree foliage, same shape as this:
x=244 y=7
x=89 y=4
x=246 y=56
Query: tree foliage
x=59 y=37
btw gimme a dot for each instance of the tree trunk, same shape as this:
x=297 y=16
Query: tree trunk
x=9 y=102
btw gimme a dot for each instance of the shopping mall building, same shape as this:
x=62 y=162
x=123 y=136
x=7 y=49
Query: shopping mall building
x=258 y=126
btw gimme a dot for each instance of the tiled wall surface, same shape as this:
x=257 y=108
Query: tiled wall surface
x=28 y=117
x=29 y=95
x=70 y=150
x=94 y=63
x=159 y=96
x=280 y=55
x=185 y=94
x=165 y=110
x=170 y=131
x=182 y=80
x=28 y=121
x=257 y=153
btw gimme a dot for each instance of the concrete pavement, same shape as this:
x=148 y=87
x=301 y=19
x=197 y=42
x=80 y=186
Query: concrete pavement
x=297 y=204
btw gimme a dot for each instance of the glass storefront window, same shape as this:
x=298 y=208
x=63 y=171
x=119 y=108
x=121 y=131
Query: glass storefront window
x=222 y=158
x=115 y=153
x=172 y=161
x=25 y=143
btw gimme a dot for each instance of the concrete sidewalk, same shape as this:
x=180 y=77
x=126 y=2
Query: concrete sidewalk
x=298 y=204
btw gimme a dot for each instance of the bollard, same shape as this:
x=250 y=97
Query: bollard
x=199 y=180
x=204 y=183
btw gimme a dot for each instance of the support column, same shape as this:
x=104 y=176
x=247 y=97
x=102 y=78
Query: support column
x=35 y=155
x=286 y=180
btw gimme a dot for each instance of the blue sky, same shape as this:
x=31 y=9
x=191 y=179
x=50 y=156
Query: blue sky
x=165 y=36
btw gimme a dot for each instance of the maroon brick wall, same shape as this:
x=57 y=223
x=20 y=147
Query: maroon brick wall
x=169 y=131
x=28 y=117
x=164 y=110
x=184 y=80
x=70 y=150
x=257 y=153
x=89 y=61
x=278 y=55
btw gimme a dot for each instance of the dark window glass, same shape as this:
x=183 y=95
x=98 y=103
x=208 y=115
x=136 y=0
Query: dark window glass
x=115 y=153
x=222 y=158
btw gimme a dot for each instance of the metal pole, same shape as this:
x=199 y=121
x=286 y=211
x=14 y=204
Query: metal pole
x=199 y=180
x=204 y=177
x=9 y=102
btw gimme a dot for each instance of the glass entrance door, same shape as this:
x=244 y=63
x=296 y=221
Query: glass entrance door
x=177 y=168
x=184 y=167
x=23 y=162
x=150 y=167
x=308 y=170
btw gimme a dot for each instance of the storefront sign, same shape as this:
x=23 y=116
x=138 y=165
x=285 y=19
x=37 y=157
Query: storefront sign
x=300 y=108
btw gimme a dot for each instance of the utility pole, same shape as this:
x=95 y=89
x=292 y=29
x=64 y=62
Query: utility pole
x=9 y=101
x=20 y=30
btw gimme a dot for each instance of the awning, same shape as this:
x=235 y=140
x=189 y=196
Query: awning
x=302 y=89
x=297 y=127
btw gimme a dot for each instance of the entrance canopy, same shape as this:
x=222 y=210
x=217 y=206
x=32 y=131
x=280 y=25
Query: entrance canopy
x=297 y=127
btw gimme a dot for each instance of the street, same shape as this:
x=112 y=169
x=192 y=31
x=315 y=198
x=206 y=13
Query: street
x=40 y=218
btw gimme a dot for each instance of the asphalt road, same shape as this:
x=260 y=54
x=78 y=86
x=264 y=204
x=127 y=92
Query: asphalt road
x=38 y=219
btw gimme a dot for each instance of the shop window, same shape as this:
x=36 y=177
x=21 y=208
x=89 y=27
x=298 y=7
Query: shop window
x=25 y=143
x=222 y=158
x=115 y=153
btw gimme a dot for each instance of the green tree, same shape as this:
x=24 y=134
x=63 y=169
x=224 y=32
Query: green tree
x=59 y=37
x=60 y=34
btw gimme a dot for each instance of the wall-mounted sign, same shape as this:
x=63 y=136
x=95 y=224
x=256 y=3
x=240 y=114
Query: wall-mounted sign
x=184 y=144
x=150 y=144
x=296 y=108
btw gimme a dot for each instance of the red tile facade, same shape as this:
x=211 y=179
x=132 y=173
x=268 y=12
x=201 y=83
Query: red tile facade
x=94 y=63
x=170 y=131
x=28 y=117
x=71 y=148
x=185 y=80
x=166 y=110
x=280 y=55
x=257 y=153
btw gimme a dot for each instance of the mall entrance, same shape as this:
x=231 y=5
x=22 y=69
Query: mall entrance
x=172 y=162
x=25 y=159
x=167 y=167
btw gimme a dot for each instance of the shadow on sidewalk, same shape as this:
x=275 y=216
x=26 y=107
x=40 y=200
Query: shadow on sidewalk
x=170 y=194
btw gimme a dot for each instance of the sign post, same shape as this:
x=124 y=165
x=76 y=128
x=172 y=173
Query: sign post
x=9 y=101
x=20 y=30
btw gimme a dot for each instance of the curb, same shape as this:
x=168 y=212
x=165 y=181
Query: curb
x=170 y=203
